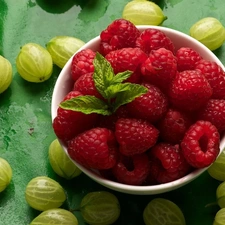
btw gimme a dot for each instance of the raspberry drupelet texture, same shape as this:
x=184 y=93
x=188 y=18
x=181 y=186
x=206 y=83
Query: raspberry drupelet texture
x=167 y=163
x=153 y=39
x=173 y=125
x=127 y=59
x=132 y=170
x=82 y=63
x=135 y=136
x=187 y=58
x=119 y=34
x=150 y=106
x=200 y=144
x=85 y=85
x=190 y=90
x=67 y=124
x=214 y=112
x=214 y=75
x=160 y=68
x=95 y=148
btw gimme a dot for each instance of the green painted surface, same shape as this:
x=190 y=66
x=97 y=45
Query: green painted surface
x=25 y=120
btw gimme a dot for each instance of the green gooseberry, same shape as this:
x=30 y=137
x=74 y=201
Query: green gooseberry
x=141 y=12
x=34 y=63
x=5 y=74
x=55 y=216
x=5 y=174
x=43 y=193
x=100 y=208
x=209 y=31
x=217 y=169
x=62 y=49
x=61 y=163
x=160 y=211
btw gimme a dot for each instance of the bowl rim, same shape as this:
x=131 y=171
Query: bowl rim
x=124 y=188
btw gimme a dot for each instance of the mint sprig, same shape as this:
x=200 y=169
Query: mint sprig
x=111 y=86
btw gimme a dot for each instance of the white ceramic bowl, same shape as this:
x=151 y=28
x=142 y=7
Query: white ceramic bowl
x=64 y=84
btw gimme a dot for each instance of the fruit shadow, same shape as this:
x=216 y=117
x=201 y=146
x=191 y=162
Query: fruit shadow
x=59 y=6
x=39 y=89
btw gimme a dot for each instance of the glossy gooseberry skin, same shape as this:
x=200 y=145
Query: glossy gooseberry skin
x=162 y=211
x=220 y=194
x=61 y=163
x=209 y=31
x=55 y=216
x=43 y=193
x=100 y=207
x=34 y=63
x=62 y=49
x=219 y=217
x=217 y=169
x=141 y=12
x=5 y=74
x=5 y=174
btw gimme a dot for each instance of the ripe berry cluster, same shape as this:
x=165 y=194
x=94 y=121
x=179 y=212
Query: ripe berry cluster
x=162 y=135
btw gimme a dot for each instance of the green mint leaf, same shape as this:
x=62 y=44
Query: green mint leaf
x=103 y=74
x=134 y=91
x=114 y=89
x=120 y=77
x=86 y=104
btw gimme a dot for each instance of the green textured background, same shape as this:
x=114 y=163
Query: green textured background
x=25 y=121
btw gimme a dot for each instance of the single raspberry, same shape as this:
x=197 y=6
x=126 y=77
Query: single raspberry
x=173 y=126
x=160 y=68
x=214 y=112
x=135 y=136
x=95 y=148
x=85 y=85
x=132 y=170
x=127 y=59
x=82 y=63
x=153 y=39
x=187 y=58
x=190 y=90
x=119 y=34
x=67 y=124
x=215 y=76
x=167 y=163
x=200 y=144
x=150 y=106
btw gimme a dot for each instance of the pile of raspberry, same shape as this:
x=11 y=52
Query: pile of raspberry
x=160 y=136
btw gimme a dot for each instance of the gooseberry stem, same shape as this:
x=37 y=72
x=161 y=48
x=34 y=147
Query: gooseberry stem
x=211 y=204
x=75 y=209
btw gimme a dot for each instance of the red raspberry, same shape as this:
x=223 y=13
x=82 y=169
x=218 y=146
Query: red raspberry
x=132 y=170
x=85 y=84
x=67 y=124
x=167 y=163
x=173 y=126
x=187 y=58
x=82 y=63
x=215 y=76
x=200 y=144
x=152 y=39
x=95 y=148
x=160 y=68
x=135 y=136
x=190 y=90
x=150 y=106
x=214 y=112
x=127 y=59
x=119 y=34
